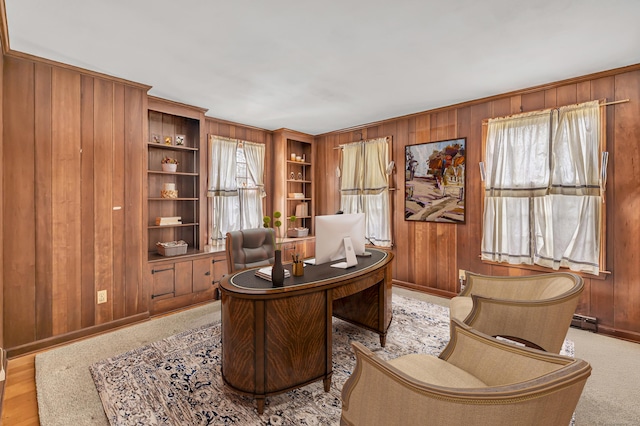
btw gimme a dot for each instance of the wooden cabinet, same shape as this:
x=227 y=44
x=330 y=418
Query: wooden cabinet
x=294 y=191
x=183 y=281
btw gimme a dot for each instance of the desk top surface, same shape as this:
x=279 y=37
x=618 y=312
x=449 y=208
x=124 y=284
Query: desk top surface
x=313 y=274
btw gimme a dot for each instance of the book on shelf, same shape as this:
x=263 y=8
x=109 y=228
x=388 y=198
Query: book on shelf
x=265 y=273
x=302 y=209
x=169 y=220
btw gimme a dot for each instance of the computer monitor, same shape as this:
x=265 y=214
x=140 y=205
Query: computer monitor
x=331 y=231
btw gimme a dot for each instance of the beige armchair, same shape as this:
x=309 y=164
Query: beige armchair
x=476 y=380
x=250 y=248
x=535 y=310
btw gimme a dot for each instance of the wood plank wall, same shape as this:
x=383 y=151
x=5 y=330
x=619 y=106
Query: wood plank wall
x=72 y=193
x=428 y=255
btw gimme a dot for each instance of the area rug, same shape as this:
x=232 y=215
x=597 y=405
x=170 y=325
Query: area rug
x=177 y=381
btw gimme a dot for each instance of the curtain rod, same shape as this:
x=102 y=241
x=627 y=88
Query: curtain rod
x=366 y=140
x=546 y=111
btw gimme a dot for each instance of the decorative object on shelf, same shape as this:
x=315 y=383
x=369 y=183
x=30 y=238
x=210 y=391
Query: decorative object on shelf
x=156 y=138
x=297 y=232
x=299 y=176
x=292 y=176
x=169 y=164
x=172 y=248
x=296 y=195
x=302 y=210
x=168 y=220
x=293 y=156
x=298 y=158
x=169 y=191
x=168 y=140
x=180 y=140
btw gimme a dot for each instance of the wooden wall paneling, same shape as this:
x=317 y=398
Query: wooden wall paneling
x=1 y=198
x=87 y=193
x=626 y=233
x=66 y=204
x=533 y=101
x=475 y=193
x=602 y=291
x=550 y=98
x=119 y=209
x=43 y=200
x=464 y=240
x=567 y=94
x=134 y=166
x=583 y=91
x=446 y=232
x=103 y=179
x=19 y=216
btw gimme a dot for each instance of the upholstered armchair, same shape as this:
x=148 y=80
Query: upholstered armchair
x=535 y=310
x=249 y=248
x=476 y=380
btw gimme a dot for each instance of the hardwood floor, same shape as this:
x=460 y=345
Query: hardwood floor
x=20 y=406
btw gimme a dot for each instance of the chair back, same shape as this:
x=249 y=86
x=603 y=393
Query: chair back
x=250 y=248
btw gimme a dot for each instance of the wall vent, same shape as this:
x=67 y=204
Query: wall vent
x=585 y=323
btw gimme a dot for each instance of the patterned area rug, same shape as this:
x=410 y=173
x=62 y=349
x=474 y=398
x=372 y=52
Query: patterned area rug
x=177 y=381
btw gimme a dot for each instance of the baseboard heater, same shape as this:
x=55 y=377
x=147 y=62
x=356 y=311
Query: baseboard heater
x=585 y=323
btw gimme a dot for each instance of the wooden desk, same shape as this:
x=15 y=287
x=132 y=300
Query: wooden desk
x=278 y=339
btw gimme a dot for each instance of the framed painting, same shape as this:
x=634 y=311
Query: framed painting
x=435 y=181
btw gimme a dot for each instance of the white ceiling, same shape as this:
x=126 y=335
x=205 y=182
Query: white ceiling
x=318 y=66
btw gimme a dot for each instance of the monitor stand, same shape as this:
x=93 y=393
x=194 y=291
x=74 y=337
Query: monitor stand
x=350 y=254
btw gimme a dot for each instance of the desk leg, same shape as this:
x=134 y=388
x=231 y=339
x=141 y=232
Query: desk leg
x=383 y=339
x=260 y=404
x=327 y=384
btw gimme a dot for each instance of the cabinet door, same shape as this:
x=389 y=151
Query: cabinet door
x=202 y=278
x=184 y=277
x=163 y=281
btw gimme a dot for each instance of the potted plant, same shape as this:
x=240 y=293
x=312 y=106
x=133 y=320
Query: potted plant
x=169 y=164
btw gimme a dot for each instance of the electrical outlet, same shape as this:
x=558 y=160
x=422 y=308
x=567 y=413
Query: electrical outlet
x=102 y=296
x=462 y=274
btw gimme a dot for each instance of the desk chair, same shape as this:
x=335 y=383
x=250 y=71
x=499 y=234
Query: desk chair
x=249 y=248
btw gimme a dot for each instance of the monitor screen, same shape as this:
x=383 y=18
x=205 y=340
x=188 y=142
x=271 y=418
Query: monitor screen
x=331 y=231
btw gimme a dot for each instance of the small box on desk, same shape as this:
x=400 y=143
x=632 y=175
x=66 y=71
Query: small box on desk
x=172 y=248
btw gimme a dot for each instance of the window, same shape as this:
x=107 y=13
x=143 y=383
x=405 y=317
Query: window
x=544 y=175
x=364 y=186
x=236 y=186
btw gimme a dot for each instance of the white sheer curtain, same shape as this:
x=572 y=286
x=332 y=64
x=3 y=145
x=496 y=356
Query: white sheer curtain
x=364 y=187
x=542 y=202
x=251 y=198
x=224 y=205
x=517 y=168
x=351 y=178
x=573 y=204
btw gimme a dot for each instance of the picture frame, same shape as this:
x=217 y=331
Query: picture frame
x=435 y=181
x=155 y=138
x=168 y=140
x=180 y=139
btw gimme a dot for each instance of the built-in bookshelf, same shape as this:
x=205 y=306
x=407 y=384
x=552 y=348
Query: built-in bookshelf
x=173 y=194
x=294 y=188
